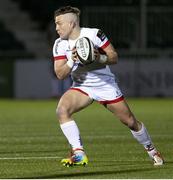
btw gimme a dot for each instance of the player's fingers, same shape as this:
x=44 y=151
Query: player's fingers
x=96 y=50
x=74 y=49
x=97 y=54
x=74 y=54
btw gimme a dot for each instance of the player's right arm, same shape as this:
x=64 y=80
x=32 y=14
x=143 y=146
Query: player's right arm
x=62 y=65
x=62 y=70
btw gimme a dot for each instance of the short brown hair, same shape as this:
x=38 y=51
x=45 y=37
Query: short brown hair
x=67 y=9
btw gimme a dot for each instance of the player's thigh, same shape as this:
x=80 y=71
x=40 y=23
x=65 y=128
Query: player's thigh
x=74 y=101
x=121 y=110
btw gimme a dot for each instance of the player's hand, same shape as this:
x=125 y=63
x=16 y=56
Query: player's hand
x=97 y=54
x=74 y=54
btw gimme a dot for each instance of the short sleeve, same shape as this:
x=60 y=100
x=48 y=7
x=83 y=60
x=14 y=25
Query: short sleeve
x=58 y=50
x=101 y=39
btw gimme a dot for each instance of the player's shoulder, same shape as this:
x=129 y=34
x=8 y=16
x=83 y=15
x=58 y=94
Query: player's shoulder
x=60 y=45
x=89 y=30
x=96 y=32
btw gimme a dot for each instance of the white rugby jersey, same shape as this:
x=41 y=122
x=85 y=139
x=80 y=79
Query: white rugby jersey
x=94 y=74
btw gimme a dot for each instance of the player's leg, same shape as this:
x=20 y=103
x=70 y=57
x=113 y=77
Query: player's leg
x=71 y=102
x=140 y=133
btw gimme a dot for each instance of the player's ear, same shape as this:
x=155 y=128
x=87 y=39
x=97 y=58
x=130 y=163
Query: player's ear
x=72 y=24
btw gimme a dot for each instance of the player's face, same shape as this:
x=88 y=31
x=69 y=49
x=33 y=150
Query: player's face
x=63 y=26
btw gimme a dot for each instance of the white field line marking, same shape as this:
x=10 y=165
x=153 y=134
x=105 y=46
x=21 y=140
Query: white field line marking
x=28 y=139
x=23 y=158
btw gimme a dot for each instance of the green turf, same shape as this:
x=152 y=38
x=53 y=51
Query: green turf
x=30 y=133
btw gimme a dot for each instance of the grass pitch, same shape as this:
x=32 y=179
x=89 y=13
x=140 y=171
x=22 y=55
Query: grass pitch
x=32 y=144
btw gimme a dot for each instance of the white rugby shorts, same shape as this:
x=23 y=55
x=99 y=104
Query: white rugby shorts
x=107 y=94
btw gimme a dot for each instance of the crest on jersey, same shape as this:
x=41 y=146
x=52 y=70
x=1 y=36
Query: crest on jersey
x=101 y=35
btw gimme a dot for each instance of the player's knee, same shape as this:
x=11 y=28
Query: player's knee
x=132 y=124
x=61 y=112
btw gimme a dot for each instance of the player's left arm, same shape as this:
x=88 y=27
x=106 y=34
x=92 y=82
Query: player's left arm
x=105 y=53
x=110 y=56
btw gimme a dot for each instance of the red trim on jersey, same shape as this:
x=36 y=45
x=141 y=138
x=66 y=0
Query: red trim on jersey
x=59 y=57
x=105 y=45
x=112 y=101
x=79 y=90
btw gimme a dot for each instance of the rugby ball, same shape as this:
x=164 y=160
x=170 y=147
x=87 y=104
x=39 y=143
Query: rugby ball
x=85 y=50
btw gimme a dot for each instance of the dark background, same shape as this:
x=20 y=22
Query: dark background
x=139 y=29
